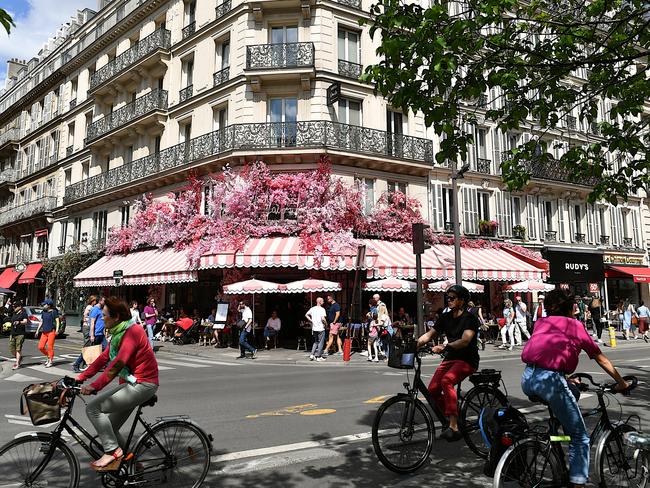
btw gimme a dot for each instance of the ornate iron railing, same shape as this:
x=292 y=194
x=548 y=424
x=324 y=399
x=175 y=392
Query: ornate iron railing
x=160 y=39
x=449 y=227
x=604 y=240
x=284 y=55
x=571 y=122
x=12 y=135
x=220 y=77
x=223 y=8
x=627 y=242
x=155 y=100
x=483 y=166
x=73 y=104
x=69 y=150
x=311 y=134
x=350 y=69
x=188 y=30
x=8 y=176
x=185 y=93
x=31 y=209
x=350 y=3
x=551 y=169
x=550 y=235
x=578 y=237
x=519 y=232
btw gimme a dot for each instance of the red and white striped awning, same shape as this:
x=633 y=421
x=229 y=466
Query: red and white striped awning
x=396 y=259
x=281 y=252
x=529 y=286
x=139 y=268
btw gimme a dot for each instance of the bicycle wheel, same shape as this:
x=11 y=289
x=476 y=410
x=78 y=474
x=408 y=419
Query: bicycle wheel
x=529 y=463
x=478 y=398
x=617 y=466
x=402 y=434
x=189 y=455
x=20 y=458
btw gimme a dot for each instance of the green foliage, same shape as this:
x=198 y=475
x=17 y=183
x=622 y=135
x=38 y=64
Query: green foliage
x=6 y=21
x=525 y=56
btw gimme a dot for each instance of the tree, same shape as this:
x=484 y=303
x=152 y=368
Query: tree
x=541 y=63
x=6 y=20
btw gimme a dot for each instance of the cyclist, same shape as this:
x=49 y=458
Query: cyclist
x=460 y=355
x=550 y=354
x=130 y=357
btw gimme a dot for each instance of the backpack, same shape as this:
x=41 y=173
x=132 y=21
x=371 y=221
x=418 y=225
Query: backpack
x=494 y=424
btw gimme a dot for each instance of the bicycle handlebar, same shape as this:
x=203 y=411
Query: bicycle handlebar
x=608 y=388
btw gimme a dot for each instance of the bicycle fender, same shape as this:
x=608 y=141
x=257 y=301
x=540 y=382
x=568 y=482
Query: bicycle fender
x=620 y=429
x=179 y=418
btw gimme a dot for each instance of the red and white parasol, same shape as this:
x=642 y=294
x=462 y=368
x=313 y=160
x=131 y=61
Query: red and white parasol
x=312 y=285
x=529 y=286
x=445 y=284
x=391 y=284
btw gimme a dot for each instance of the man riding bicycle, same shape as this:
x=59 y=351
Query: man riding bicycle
x=460 y=355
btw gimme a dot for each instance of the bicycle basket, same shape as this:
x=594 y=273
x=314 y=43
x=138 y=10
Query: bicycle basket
x=42 y=402
x=401 y=354
x=491 y=376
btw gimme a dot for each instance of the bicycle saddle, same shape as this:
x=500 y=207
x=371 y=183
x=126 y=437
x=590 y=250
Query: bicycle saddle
x=634 y=439
x=151 y=402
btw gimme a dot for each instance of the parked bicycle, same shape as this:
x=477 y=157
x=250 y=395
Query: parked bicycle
x=403 y=431
x=173 y=451
x=641 y=444
x=538 y=459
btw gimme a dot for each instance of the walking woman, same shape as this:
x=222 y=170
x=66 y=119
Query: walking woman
x=629 y=314
x=509 y=327
x=49 y=329
x=644 y=315
x=150 y=318
x=85 y=329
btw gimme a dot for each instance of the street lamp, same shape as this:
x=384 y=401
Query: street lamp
x=455 y=175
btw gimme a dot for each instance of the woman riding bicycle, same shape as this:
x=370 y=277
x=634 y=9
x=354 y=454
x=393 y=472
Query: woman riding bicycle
x=550 y=354
x=460 y=355
x=130 y=357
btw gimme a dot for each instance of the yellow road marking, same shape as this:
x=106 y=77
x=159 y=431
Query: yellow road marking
x=318 y=411
x=377 y=399
x=283 y=411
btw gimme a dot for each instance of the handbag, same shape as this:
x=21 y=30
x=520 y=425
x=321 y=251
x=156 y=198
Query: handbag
x=241 y=324
x=501 y=322
x=43 y=402
x=635 y=320
x=401 y=354
x=90 y=353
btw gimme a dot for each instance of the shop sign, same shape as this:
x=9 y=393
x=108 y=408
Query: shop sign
x=574 y=266
x=564 y=286
x=594 y=288
x=617 y=259
x=40 y=233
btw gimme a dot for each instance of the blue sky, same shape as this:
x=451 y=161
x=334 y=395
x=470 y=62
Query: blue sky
x=36 y=21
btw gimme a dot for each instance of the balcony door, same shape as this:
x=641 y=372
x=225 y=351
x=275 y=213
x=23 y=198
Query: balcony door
x=283 y=115
x=284 y=51
x=394 y=127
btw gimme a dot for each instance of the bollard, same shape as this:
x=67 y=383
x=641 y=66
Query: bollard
x=347 y=349
x=612 y=337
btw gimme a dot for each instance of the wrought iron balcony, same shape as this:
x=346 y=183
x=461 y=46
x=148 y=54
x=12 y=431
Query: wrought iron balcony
x=604 y=240
x=628 y=242
x=73 y=103
x=41 y=254
x=31 y=209
x=8 y=176
x=185 y=93
x=483 y=166
x=284 y=55
x=578 y=237
x=243 y=137
x=220 y=77
x=69 y=150
x=155 y=100
x=350 y=69
x=449 y=227
x=571 y=122
x=160 y=39
x=482 y=101
x=350 y=3
x=551 y=169
x=550 y=235
x=12 y=135
x=223 y=8
x=188 y=30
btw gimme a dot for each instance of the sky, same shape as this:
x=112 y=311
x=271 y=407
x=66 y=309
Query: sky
x=36 y=21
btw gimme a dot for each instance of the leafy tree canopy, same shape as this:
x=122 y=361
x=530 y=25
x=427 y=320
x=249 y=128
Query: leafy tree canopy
x=525 y=56
x=6 y=21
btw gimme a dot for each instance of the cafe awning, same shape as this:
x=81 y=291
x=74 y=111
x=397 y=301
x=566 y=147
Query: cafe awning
x=29 y=275
x=139 y=268
x=640 y=274
x=8 y=277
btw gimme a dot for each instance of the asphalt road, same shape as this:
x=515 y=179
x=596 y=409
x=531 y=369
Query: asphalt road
x=281 y=420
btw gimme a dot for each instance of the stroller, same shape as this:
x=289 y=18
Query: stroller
x=187 y=335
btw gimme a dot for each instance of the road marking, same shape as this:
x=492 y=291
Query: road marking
x=54 y=371
x=282 y=412
x=21 y=378
x=318 y=411
x=18 y=419
x=164 y=368
x=209 y=361
x=267 y=451
x=277 y=461
x=179 y=363
x=378 y=399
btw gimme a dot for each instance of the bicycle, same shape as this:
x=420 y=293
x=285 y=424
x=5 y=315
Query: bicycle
x=538 y=460
x=641 y=444
x=173 y=451
x=404 y=431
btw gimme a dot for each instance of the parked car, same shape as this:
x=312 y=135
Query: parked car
x=34 y=314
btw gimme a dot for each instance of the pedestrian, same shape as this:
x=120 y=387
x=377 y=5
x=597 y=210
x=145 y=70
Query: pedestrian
x=386 y=331
x=49 y=328
x=85 y=329
x=521 y=320
x=372 y=310
x=596 y=317
x=377 y=300
x=540 y=310
x=19 y=321
x=509 y=325
x=97 y=325
x=581 y=308
x=551 y=354
x=272 y=328
x=373 y=337
x=334 y=321
x=150 y=318
x=245 y=325
x=135 y=313
x=478 y=313
x=629 y=316
x=318 y=318
x=644 y=315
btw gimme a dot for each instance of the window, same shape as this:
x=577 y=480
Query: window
x=531 y=206
x=124 y=215
x=73 y=90
x=442 y=207
x=128 y=154
x=636 y=239
x=185 y=132
x=601 y=220
x=70 y=135
x=348 y=45
x=77 y=230
x=481 y=143
x=85 y=169
x=224 y=55
x=68 y=178
x=349 y=112
x=561 y=220
x=99 y=226
x=577 y=212
x=41 y=246
x=369 y=185
x=548 y=215
x=395 y=128
x=483 y=206
x=470 y=210
x=219 y=118
x=207 y=196
x=187 y=74
x=516 y=211
x=504 y=213
x=283 y=114
x=284 y=34
x=591 y=230
x=190 y=12
x=64 y=236
x=394 y=186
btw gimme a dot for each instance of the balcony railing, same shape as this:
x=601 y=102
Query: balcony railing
x=220 y=77
x=69 y=150
x=483 y=166
x=578 y=237
x=188 y=30
x=160 y=39
x=449 y=227
x=8 y=176
x=350 y=69
x=185 y=93
x=41 y=254
x=628 y=242
x=73 y=103
x=311 y=134
x=519 y=232
x=551 y=169
x=155 y=100
x=594 y=128
x=350 y=3
x=12 y=135
x=286 y=55
x=482 y=101
x=550 y=235
x=31 y=209
x=604 y=240
x=223 y=8
x=571 y=122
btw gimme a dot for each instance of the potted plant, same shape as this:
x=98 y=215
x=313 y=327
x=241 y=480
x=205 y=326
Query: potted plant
x=488 y=227
x=519 y=232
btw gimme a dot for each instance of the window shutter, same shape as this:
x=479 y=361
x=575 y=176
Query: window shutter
x=55 y=143
x=507 y=214
x=614 y=223
x=572 y=221
x=438 y=207
x=591 y=234
x=499 y=207
x=530 y=217
x=635 y=229
x=597 y=230
x=496 y=149
x=560 y=221
x=470 y=210
x=542 y=218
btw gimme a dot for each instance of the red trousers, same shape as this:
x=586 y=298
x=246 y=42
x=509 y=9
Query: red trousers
x=47 y=338
x=443 y=385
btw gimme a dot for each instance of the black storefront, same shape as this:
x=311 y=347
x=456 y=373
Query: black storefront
x=581 y=271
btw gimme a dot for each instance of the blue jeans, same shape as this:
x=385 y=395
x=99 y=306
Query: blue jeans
x=243 y=343
x=319 y=343
x=150 y=334
x=552 y=387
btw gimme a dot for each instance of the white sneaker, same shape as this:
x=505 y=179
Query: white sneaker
x=48 y=364
x=364 y=353
x=376 y=360
x=321 y=359
x=370 y=359
x=311 y=357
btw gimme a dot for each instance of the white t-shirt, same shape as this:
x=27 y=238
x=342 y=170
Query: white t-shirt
x=135 y=315
x=520 y=310
x=317 y=314
x=274 y=323
x=246 y=316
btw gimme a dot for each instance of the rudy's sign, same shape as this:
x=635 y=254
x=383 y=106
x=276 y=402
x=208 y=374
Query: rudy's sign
x=575 y=266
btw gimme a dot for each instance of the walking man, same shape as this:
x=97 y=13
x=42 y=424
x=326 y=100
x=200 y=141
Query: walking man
x=246 y=324
x=318 y=318
x=521 y=313
x=49 y=328
x=18 y=323
x=334 y=320
x=96 y=318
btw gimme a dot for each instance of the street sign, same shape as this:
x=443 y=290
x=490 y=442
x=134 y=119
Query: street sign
x=419 y=240
x=20 y=267
x=333 y=93
x=118 y=273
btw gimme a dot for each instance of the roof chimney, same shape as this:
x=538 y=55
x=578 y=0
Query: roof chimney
x=14 y=65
